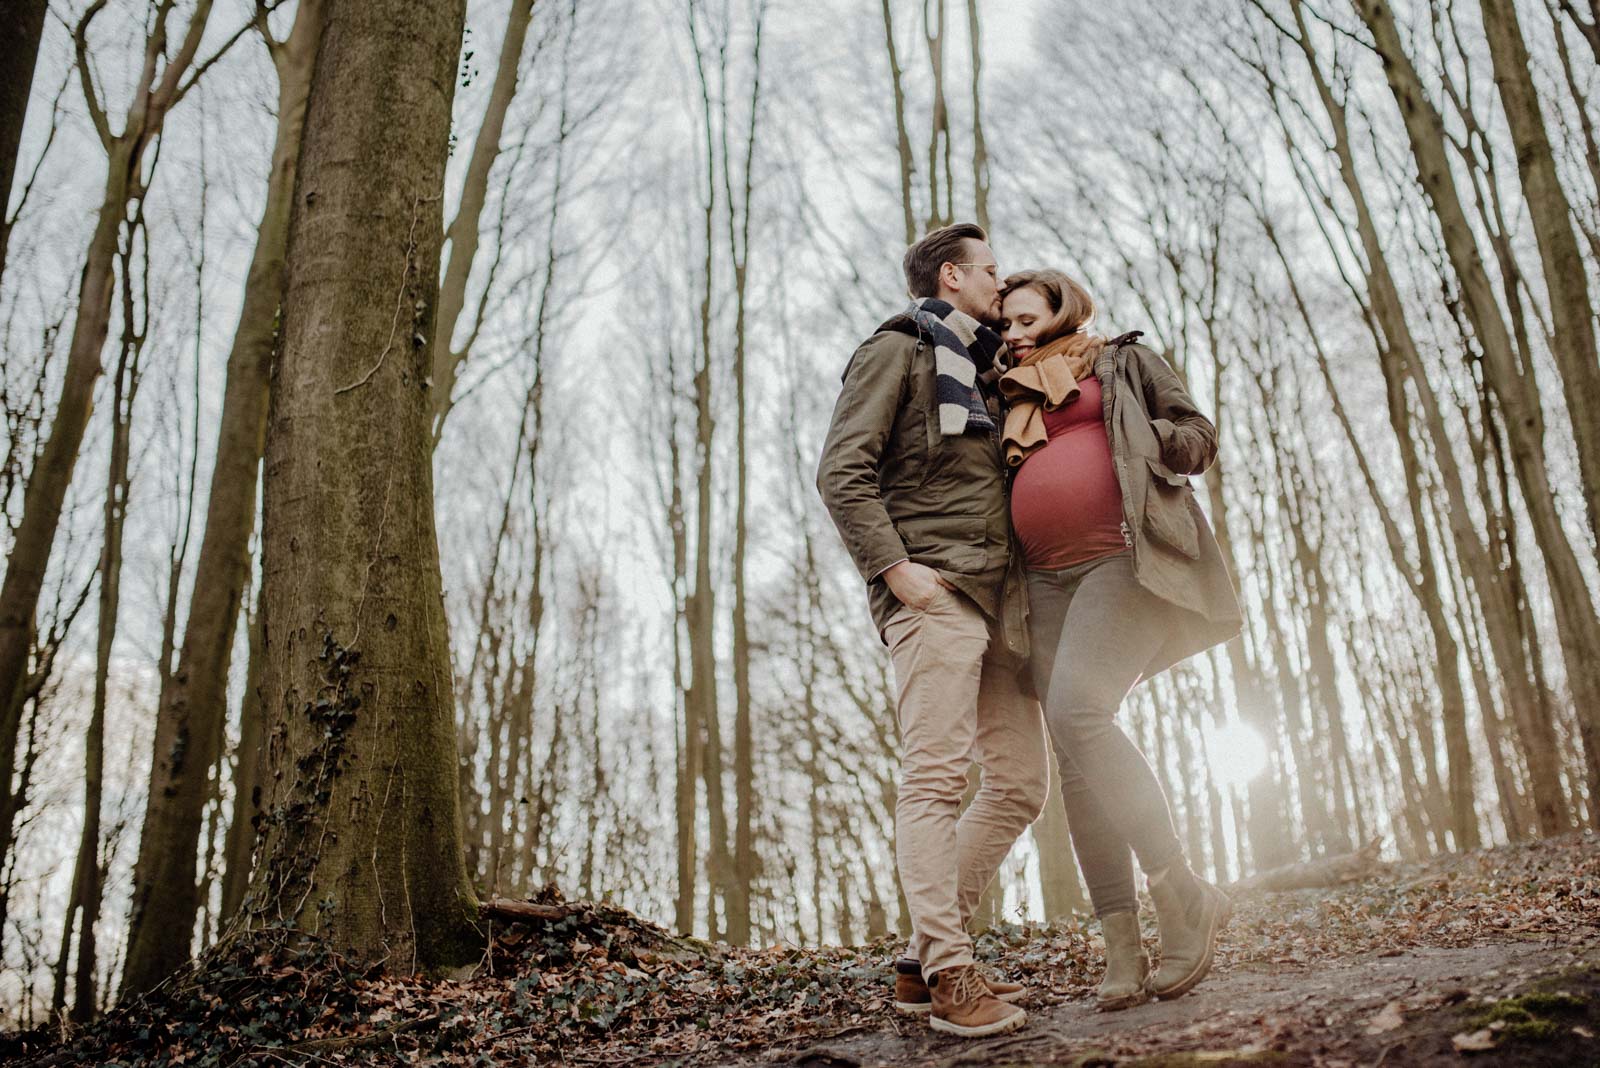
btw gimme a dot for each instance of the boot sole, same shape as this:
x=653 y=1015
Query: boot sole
x=917 y=1008
x=1188 y=983
x=1118 y=1004
x=999 y=1027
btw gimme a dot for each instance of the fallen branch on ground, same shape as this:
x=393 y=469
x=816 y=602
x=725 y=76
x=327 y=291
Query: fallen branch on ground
x=1325 y=871
x=521 y=911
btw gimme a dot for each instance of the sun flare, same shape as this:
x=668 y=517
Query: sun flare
x=1236 y=752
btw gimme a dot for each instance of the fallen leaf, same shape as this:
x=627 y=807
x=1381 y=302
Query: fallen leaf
x=1473 y=1041
x=1389 y=1018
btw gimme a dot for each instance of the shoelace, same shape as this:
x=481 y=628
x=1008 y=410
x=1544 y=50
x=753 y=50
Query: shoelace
x=969 y=985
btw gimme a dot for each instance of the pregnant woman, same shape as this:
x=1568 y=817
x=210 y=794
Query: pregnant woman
x=1124 y=580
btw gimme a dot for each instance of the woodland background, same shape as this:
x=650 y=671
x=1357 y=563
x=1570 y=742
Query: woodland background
x=1368 y=238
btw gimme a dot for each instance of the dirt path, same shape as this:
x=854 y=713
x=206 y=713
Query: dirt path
x=1288 y=1014
x=1498 y=949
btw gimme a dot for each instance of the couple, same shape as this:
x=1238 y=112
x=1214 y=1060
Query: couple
x=1023 y=490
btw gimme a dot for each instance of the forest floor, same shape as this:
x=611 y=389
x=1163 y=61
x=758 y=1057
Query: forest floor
x=1485 y=958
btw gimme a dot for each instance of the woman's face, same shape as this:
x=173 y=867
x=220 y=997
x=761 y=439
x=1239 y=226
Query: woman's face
x=1025 y=312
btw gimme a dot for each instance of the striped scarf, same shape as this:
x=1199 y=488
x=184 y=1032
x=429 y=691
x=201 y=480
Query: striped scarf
x=962 y=347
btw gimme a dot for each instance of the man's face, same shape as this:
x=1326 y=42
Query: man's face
x=975 y=288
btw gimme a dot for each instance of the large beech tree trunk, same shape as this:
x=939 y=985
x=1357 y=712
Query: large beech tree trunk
x=193 y=708
x=364 y=843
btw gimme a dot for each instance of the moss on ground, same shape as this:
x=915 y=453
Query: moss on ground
x=1537 y=1016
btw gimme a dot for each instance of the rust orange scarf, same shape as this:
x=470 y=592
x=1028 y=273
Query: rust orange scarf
x=1046 y=379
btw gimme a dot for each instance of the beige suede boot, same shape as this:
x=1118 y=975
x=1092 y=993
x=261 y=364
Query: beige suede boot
x=1190 y=913
x=1127 y=967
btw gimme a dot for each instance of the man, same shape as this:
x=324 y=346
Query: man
x=914 y=478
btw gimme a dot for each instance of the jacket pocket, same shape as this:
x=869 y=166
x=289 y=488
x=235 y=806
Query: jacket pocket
x=953 y=542
x=1168 y=519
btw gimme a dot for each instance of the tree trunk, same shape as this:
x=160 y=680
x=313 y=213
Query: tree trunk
x=1566 y=278
x=87 y=882
x=20 y=29
x=1576 y=619
x=744 y=850
x=700 y=608
x=464 y=232
x=48 y=482
x=902 y=139
x=939 y=128
x=980 y=150
x=52 y=474
x=193 y=710
x=1401 y=360
x=364 y=841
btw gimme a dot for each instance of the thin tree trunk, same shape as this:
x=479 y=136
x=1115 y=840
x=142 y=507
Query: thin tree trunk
x=980 y=150
x=1576 y=619
x=744 y=856
x=87 y=884
x=902 y=139
x=1565 y=276
x=157 y=93
x=193 y=710
x=464 y=233
x=364 y=842
x=939 y=129
x=687 y=792
x=701 y=603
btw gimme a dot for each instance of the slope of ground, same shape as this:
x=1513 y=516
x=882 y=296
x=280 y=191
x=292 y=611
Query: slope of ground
x=1491 y=957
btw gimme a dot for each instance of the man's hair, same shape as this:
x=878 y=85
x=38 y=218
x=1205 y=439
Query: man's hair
x=948 y=244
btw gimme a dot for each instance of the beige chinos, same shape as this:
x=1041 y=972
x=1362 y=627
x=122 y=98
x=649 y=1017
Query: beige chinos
x=957 y=703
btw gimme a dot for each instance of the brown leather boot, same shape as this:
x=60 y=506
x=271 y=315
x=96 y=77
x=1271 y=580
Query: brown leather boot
x=962 y=1005
x=911 y=991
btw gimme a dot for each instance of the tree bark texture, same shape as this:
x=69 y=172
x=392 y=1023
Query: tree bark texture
x=364 y=843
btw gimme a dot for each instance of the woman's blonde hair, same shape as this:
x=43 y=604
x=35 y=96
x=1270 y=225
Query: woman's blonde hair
x=1071 y=303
